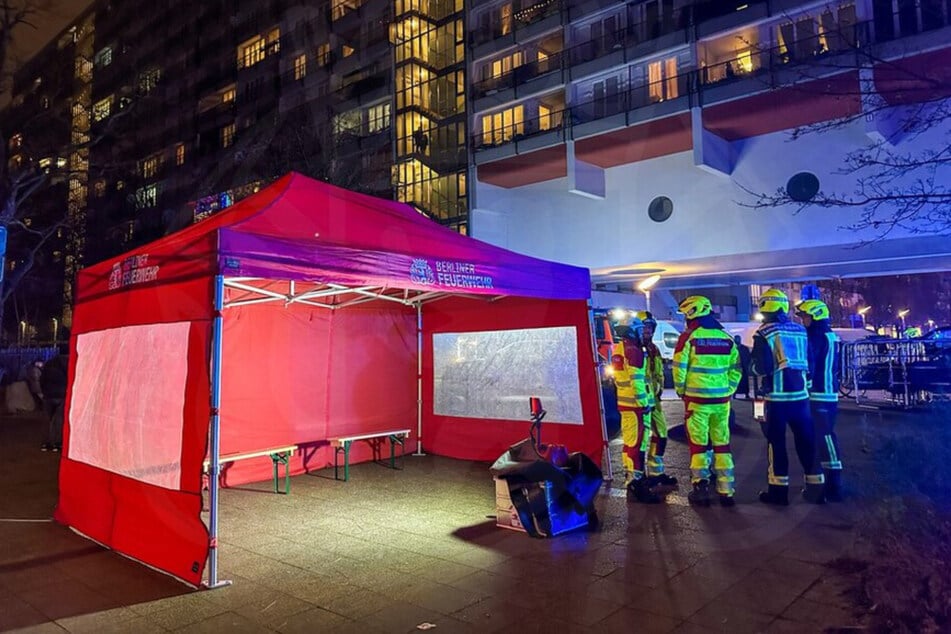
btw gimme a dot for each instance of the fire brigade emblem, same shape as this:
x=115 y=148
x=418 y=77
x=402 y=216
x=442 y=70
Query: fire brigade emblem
x=115 y=278
x=421 y=273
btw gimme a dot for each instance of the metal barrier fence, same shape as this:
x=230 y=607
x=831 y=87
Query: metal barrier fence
x=14 y=360
x=901 y=373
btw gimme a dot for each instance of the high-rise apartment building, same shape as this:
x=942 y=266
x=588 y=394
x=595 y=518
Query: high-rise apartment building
x=177 y=109
x=637 y=138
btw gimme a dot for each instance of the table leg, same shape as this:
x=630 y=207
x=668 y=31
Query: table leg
x=346 y=460
x=392 y=452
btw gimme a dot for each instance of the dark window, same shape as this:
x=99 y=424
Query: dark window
x=660 y=209
x=802 y=187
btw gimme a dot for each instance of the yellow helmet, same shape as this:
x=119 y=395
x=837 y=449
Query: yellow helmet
x=695 y=306
x=814 y=308
x=648 y=318
x=773 y=301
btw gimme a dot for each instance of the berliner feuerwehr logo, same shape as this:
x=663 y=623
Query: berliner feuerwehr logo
x=421 y=273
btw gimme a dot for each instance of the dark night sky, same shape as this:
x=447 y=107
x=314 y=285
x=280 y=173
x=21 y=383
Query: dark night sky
x=48 y=23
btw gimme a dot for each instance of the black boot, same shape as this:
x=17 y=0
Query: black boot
x=700 y=496
x=727 y=500
x=776 y=495
x=814 y=493
x=640 y=490
x=833 y=486
x=662 y=480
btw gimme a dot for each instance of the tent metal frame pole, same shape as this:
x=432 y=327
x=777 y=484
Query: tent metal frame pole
x=608 y=471
x=419 y=380
x=214 y=434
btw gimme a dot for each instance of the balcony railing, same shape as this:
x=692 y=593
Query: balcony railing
x=814 y=51
x=518 y=131
x=590 y=50
x=522 y=19
x=761 y=65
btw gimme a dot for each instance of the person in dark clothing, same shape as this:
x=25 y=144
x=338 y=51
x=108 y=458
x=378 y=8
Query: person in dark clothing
x=824 y=391
x=745 y=358
x=53 y=383
x=780 y=358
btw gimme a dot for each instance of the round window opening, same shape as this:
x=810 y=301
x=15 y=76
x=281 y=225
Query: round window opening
x=802 y=187
x=660 y=209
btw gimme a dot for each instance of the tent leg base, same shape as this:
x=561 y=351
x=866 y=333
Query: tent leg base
x=223 y=583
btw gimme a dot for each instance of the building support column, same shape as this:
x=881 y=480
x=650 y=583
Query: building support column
x=584 y=179
x=711 y=153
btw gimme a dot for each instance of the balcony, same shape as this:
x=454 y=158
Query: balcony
x=801 y=60
x=531 y=78
x=540 y=129
x=523 y=26
x=636 y=104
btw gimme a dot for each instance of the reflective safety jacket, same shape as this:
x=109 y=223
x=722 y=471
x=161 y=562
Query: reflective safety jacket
x=655 y=369
x=630 y=376
x=780 y=357
x=706 y=363
x=823 y=357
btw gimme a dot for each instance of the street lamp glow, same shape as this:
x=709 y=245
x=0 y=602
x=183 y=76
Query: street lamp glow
x=903 y=313
x=863 y=310
x=647 y=283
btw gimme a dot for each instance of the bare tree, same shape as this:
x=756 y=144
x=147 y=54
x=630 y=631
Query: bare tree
x=901 y=175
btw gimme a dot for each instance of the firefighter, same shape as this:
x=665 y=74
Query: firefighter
x=634 y=401
x=706 y=374
x=658 y=421
x=780 y=358
x=823 y=360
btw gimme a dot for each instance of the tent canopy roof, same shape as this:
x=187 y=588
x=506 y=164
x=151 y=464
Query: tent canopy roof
x=302 y=229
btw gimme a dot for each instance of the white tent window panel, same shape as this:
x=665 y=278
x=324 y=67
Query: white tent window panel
x=126 y=410
x=492 y=374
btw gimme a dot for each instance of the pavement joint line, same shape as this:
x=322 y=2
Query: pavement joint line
x=25 y=520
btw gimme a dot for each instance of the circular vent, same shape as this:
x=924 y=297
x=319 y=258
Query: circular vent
x=660 y=209
x=802 y=187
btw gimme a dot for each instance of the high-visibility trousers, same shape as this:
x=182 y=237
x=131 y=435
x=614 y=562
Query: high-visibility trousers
x=658 y=441
x=634 y=431
x=709 y=424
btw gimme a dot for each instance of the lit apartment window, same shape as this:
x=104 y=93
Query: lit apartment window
x=378 y=118
x=347 y=50
x=180 y=154
x=662 y=79
x=252 y=52
x=505 y=22
x=103 y=58
x=274 y=41
x=502 y=126
x=300 y=67
x=149 y=79
x=227 y=135
x=350 y=121
x=506 y=64
x=16 y=142
x=146 y=197
x=342 y=7
x=150 y=166
x=228 y=94
x=45 y=163
x=323 y=54
x=60 y=162
x=99 y=188
x=545 y=119
x=45 y=103
x=102 y=108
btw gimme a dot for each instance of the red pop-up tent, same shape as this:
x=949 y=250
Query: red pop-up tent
x=304 y=313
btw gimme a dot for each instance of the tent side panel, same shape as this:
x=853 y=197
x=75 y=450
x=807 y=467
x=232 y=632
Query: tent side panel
x=301 y=375
x=136 y=425
x=484 y=438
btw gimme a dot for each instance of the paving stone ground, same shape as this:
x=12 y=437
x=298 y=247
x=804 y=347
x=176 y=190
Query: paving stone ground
x=390 y=551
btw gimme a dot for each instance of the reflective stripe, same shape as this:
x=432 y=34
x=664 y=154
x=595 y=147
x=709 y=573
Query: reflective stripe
x=787 y=396
x=815 y=479
x=833 y=454
x=702 y=370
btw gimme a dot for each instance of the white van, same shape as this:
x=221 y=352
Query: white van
x=665 y=338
